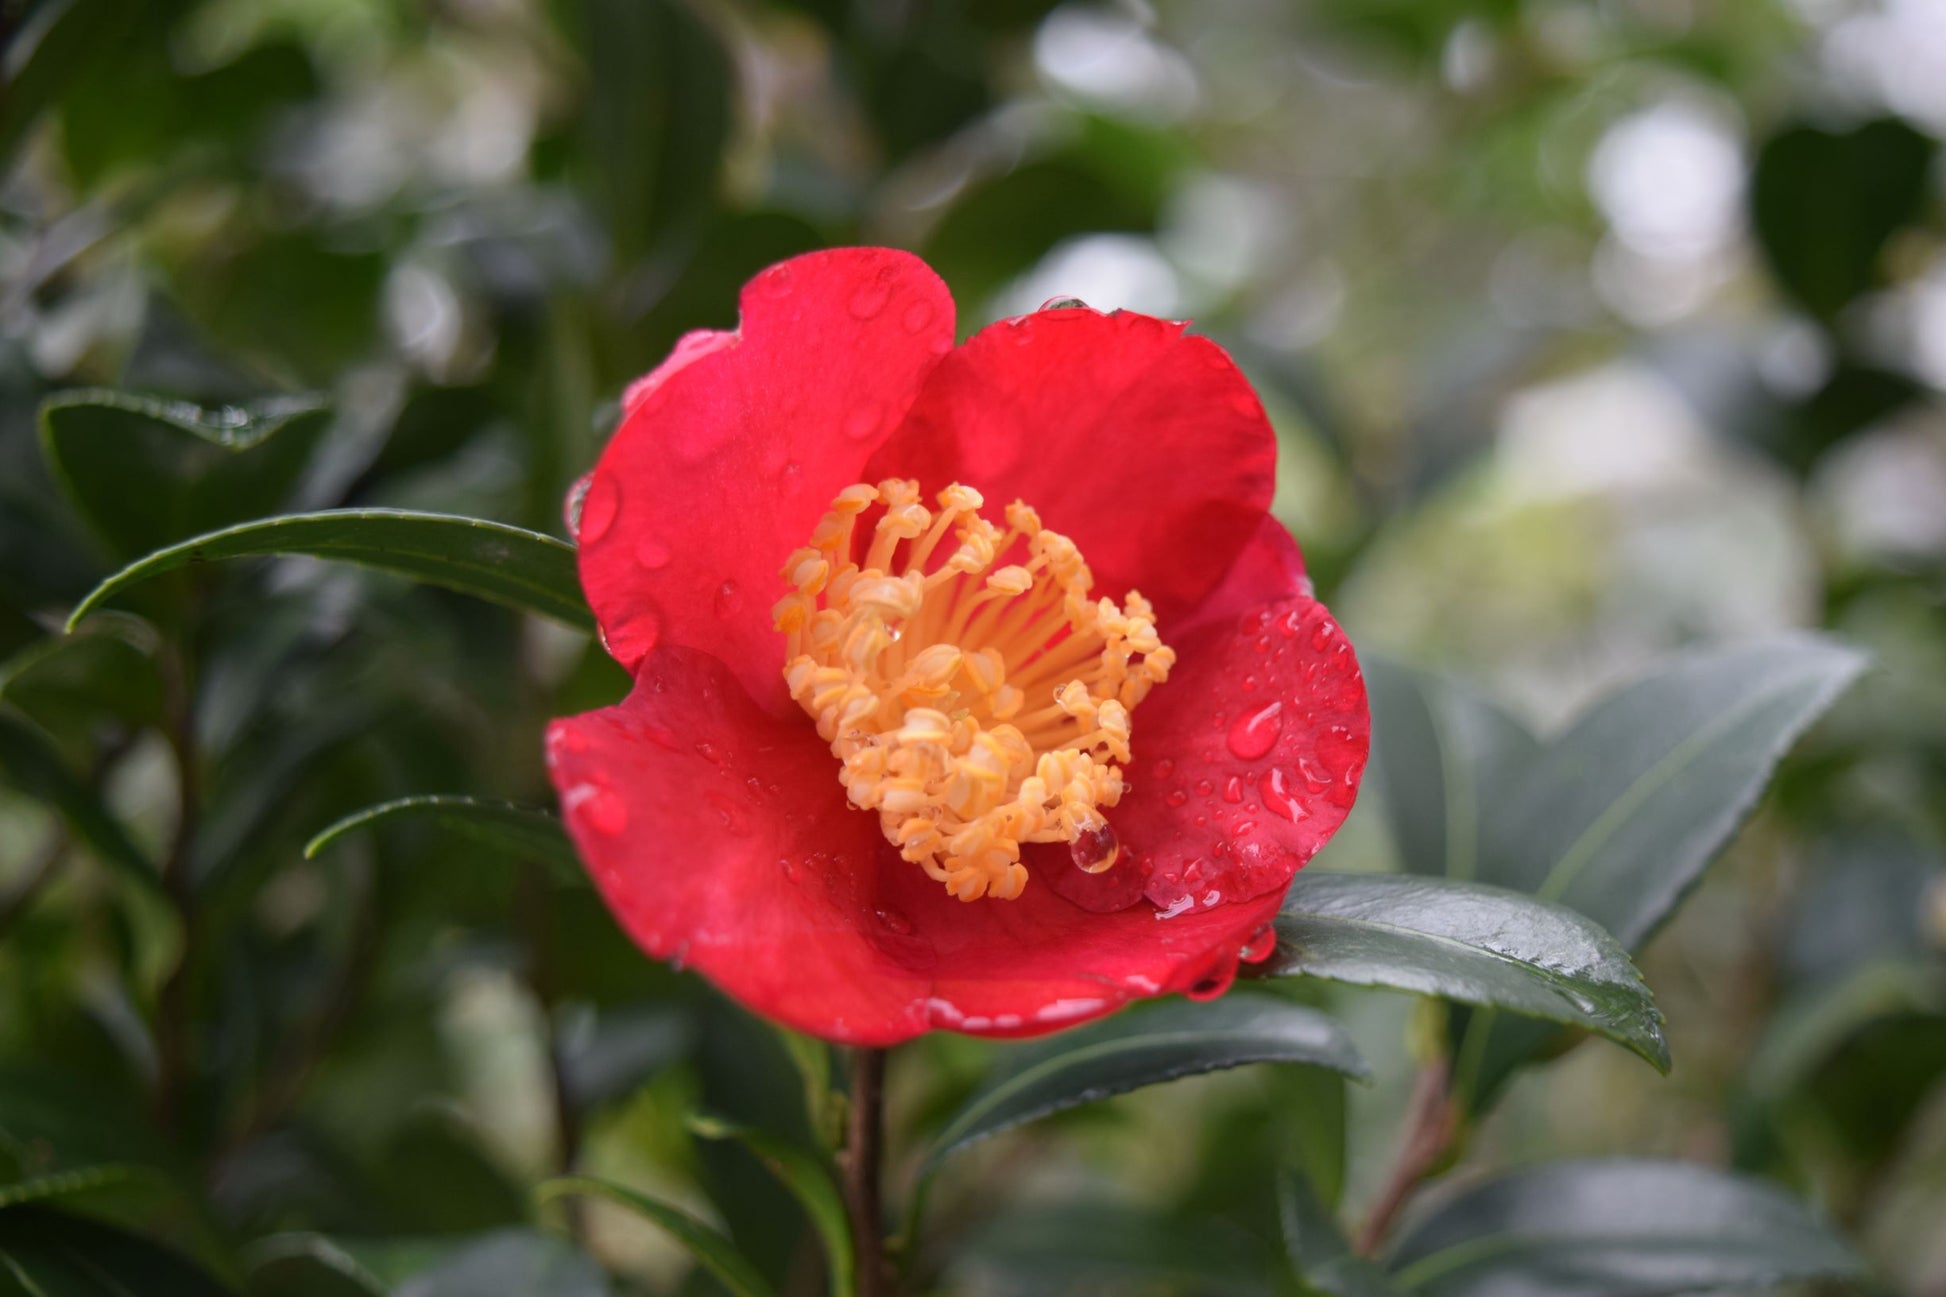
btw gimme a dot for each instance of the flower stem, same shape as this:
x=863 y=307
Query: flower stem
x=1430 y=1127
x=864 y=1153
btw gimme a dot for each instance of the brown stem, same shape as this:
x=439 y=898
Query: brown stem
x=864 y=1154
x=1431 y=1122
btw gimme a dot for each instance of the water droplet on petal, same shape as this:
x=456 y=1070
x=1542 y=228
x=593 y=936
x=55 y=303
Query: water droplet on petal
x=1061 y=303
x=1261 y=943
x=1233 y=789
x=707 y=751
x=871 y=298
x=788 y=867
x=894 y=920
x=1164 y=768
x=1280 y=797
x=599 y=504
x=863 y=421
x=599 y=808
x=1255 y=733
x=1176 y=797
x=1204 y=788
x=652 y=553
x=917 y=316
x=1315 y=780
x=1214 y=984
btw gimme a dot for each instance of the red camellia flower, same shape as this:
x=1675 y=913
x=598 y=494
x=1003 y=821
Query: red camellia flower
x=974 y=687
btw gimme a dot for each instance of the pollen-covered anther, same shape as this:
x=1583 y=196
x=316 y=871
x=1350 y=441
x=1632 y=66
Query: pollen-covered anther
x=977 y=695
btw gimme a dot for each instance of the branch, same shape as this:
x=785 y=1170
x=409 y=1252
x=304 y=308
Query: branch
x=864 y=1154
x=1431 y=1122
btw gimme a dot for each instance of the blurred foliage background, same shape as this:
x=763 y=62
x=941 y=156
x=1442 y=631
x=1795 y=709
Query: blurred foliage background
x=1591 y=329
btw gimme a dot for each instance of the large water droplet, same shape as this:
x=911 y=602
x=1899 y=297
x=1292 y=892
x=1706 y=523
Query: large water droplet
x=1255 y=733
x=1315 y=780
x=1280 y=797
x=1214 y=983
x=1233 y=789
x=1261 y=943
x=1063 y=303
x=599 y=504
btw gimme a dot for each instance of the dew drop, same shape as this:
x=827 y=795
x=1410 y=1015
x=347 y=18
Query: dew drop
x=707 y=751
x=1315 y=780
x=1063 y=303
x=651 y=553
x=1249 y=684
x=1280 y=797
x=1214 y=984
x=728 y=599
x=1176 y=797
x=917 y=316
x=1233 y=789
x=1261 y=943
x=787 y=867
x=1255 y=733
x=1204 y=788
x=599 y=506
x=863 y=421
x=1288 y=624
x=601 y=809
x=894 y=920
x=1321 y=636
x=871 y=298
x=1164 y=768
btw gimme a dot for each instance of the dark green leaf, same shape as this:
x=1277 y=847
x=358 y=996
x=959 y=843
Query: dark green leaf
x=1324 y=1261
x=1142 y=1047
x=511 y=1263
x=34 y=765
x=521 y=569
x=46 y=52
x=1613 y=1229
x=47 y=1252
x=1618 y=817
x=1440 y=752
x=1824 y=204
x=1468 y=942
x=1062 y=1249
x=104 y=668
x=147 y=472
x=308 y=1265
x=810 y=1182
x=517 y=831
x=715 y=1252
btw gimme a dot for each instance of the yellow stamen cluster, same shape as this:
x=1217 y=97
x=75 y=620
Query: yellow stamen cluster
x=973 y=707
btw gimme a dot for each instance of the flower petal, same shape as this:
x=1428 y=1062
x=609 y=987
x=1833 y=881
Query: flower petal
x=1145 y=445
x=1248 y=759
x=731 y=451
x=721 y=840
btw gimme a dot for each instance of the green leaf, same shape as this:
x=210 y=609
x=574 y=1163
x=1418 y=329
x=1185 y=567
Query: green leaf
x=711 y=1249
x=1440 y=753
x=518 y=831
x=810 y=1182
x=1618 y=818
x=1142 y=1047
x=146 y=472
x=51 y=46
x=104 y=668
x=1616 y=1228
x=48 y=1252
x=509 y=1263
x=34 y=765
x=1324 y=1260
x=1824 y=204
x=1063 y=1248
x=308 y=1265
x=520 y=569
x=1469 y=942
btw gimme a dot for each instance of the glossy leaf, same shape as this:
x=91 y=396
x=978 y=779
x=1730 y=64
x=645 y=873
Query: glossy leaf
x=1441 y=754
x=710 y=1248
x=49 y=1252
x=1613 y=1229
x=1064 y=1248
x=308 y=1265
x=35 y=766
x=1618 y=817
x=520 y=569
x=810 y=1182
x=518 y=831
x=1469 y=942
x=1143 y=1047
x=147 y=472
x=1317 y=1248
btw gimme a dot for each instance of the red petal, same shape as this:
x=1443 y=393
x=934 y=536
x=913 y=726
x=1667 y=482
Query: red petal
x=731 y=451
x=721 y=840
x=1145 y=445
x=1248 y=759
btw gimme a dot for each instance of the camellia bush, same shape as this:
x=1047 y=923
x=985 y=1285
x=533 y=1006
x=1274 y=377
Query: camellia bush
x=592 y=702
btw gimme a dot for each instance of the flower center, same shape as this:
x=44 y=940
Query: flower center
x=975 y=707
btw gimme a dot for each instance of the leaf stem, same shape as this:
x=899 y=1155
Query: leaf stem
x=864 y=1154
x=1431 y=1122
x=172 y=1026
